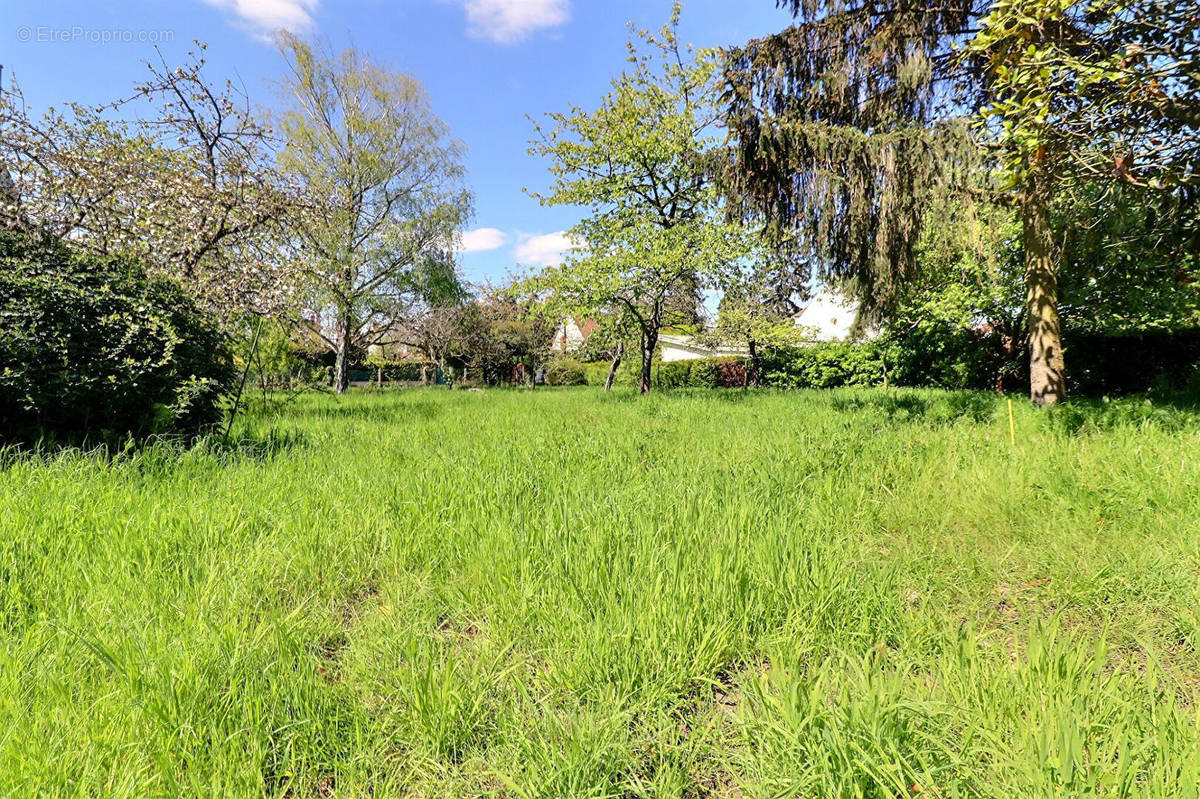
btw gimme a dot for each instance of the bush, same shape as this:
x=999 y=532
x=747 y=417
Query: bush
x=825 y=365
x=701 y=373
x=94 y=348
x=400 y=371
x=940 y=356
x=1129 y=363
x=565 y=372
x=672 y=374
x=277 y=362
x=596 y=372
x=1098 y=363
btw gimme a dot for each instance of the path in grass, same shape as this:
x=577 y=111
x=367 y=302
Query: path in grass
x=557 y=593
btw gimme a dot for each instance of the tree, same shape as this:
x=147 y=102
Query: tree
x=849 y=124
x=965 y=307
x=642 y=162
x=178 y=175
x=615 y=329
x=757 y=309
x=383 y=198
x=501 y=337
x=432 y=330
x=960 y=320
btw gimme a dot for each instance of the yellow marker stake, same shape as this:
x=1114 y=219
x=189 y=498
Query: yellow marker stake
x=1012 y=425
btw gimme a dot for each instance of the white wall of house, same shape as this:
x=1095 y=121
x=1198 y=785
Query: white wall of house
x=828 y=317
x=685 y=348
x=568 y=338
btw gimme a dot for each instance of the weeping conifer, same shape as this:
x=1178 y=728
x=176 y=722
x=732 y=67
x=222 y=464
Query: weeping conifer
x=847 y=124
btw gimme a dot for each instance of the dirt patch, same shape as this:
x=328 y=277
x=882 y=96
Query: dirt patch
x=351 y=607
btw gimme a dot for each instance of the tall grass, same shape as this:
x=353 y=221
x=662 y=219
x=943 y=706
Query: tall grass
x=559 y=593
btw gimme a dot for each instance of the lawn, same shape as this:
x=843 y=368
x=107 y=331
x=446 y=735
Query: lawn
x=557 y=593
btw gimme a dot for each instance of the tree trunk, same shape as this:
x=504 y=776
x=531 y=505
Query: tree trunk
x=752 y=378
x=649 y=342
x=612 y=370
x=1047 y=384
x=341 y=367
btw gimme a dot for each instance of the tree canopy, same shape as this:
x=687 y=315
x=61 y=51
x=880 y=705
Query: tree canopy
x=382 y=198
x=643 y=163
x=850 y=125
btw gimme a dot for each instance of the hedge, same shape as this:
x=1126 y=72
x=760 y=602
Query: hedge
x=701 y=373
x=825 y=365
x=1131 y=363
x=1097 y=363
x=565 y=372
x=399 y=371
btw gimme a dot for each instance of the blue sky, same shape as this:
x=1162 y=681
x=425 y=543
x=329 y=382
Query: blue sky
x=488 y=65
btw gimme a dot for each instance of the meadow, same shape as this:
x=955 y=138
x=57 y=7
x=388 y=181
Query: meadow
x=558 y=593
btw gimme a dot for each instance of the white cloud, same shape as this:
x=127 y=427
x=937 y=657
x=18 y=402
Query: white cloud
x=543 y=250
x=264 y=17
x=509 y=21
x=482 y=240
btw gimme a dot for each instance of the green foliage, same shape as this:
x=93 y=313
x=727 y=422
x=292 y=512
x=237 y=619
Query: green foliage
x=278 y=362
x=596 y=372
x=495 y=336
x=1135 y=362
x=825 y=365
x=565 y=594
x=1093 y=89
x=642 y=164
x=407 y=371
x=565 y=372
x=93 y=349
x=1131 y=262
x=939 y=355
x=701 y=373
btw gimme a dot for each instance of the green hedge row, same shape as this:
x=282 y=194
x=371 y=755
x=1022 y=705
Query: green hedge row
x=399 y=371
x=565 y=372
x=701 y=373
x=826 y=365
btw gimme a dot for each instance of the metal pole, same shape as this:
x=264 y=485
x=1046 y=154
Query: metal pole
x=245 y=375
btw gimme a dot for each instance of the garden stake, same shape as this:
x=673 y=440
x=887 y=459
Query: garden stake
x=245 y=374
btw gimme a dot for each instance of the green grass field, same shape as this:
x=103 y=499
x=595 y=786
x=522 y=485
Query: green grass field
x=560 y=594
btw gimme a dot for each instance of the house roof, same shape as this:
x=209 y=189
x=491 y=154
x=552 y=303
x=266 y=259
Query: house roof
x=586 y=326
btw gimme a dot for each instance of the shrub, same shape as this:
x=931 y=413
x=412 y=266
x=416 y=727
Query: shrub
x=94 y=348
x=825 y=365
x=596 y=372
x=701 y=373
x=565 y=372
x=400 y=371
x=1128 y=363
x=940 y=356
x=277 y=362
x=1098 y=363
x=673 y=374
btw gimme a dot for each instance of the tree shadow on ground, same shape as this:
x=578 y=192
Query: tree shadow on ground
x=158 y=453
x=366 y=413
x=1082 y=415
x=931 y=408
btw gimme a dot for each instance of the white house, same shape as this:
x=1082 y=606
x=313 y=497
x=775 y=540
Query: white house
x=829 y=316
x=572 y=334
x=686 y=348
